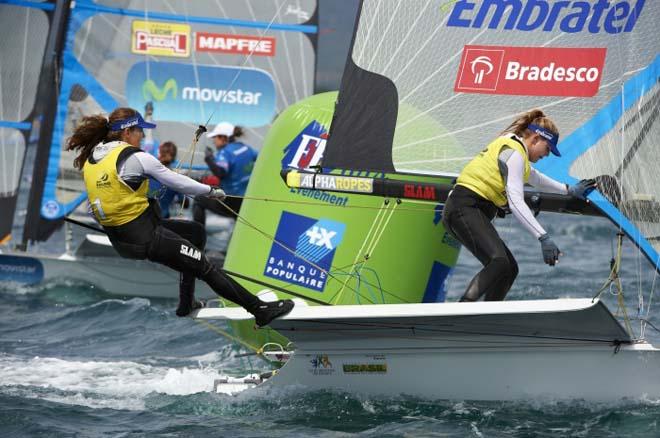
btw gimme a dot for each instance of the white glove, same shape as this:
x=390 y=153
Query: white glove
x=217 y=193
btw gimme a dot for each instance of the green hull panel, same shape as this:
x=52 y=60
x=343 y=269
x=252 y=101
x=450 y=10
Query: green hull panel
x=409 y=254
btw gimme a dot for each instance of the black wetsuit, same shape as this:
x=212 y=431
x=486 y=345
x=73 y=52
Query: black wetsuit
x=203 y=203
x=468 y=217
x=179 y=245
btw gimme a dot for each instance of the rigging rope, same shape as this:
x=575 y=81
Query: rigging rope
x=371 y=240
x=293 y=252
x=614 y=280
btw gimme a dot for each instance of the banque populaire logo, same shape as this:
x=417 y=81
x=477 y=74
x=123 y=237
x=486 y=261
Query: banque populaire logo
x=187 y=93
x=306 y=252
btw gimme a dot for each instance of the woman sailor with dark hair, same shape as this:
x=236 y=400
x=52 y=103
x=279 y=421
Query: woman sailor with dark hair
x=116 y=173
x=493 y=180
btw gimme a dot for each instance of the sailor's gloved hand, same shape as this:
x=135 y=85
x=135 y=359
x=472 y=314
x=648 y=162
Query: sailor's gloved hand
x=209 y=154
x=550 y=251
x=582 y=189
x=217 y=193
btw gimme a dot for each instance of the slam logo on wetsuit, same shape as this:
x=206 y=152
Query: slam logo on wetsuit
x=307 y=148
x=306 y=252
x=187 y=93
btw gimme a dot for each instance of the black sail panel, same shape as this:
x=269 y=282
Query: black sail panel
x=363 y=126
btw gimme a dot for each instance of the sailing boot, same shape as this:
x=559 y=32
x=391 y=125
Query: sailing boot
x=187 y=301
x=230 y=289
x=265 y=312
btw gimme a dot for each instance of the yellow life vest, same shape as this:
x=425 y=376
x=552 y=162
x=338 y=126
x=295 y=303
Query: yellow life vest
x=113 y=201
x=482 y=175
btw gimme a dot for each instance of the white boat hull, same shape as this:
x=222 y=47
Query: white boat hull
x=545 y=349
x=585 y=373
x=114 y=275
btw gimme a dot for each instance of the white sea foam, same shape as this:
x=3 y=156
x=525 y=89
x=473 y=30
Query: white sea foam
x=96 y=384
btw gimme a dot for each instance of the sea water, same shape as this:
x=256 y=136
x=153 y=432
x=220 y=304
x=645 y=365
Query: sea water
x=75 y=362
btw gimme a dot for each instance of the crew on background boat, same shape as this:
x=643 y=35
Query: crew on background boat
x=494 y=180
x=232 y=162
x=164 y=195
x=116 y=173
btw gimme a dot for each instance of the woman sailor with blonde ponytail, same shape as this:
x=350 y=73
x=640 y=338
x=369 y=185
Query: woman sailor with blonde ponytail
x=494 y=181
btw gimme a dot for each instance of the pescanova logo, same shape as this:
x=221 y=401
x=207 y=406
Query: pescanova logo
x=307 y=148
x=594 y=16
x=187 y=93
x=307 y=249
x=531 y=71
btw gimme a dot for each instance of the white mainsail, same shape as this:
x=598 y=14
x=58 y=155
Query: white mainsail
x=194 y=63
x=22 y=49
x=457 y=73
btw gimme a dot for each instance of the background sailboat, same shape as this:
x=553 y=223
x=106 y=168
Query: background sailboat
x=243 y=63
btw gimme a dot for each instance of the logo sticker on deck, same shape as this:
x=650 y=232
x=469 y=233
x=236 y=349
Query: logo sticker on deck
x=321 y=365
x=304 y=250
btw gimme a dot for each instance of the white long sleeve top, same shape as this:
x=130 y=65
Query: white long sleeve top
x=141 y=165
x=515 y=165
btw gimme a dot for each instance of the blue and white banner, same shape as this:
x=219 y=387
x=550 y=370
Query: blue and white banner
x=191 y=93
x=304 y=250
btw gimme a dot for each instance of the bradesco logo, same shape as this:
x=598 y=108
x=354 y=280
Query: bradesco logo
x=162 y=39
x=530 y=71
x=306 y=252
x=234 y=44
x=188 y=93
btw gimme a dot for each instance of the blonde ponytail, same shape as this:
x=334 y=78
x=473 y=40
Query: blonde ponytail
x=536 y=117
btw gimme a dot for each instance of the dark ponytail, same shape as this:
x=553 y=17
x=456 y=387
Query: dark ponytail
x=94 y=130
x=238 y=132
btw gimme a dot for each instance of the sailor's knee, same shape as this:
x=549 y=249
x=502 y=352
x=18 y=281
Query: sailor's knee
x=513 y=266
x=198 y=234
x=506 y=266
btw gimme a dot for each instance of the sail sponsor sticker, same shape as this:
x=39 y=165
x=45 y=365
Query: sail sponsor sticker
x=234 y=44
x=335 y=183
x=303 y=250
x=24 y=270
x=420 y=191
x=306 y=150
x=160 y=39
x=531 y=71
x=51 y=209
x=188 y=93
x=566 y=16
